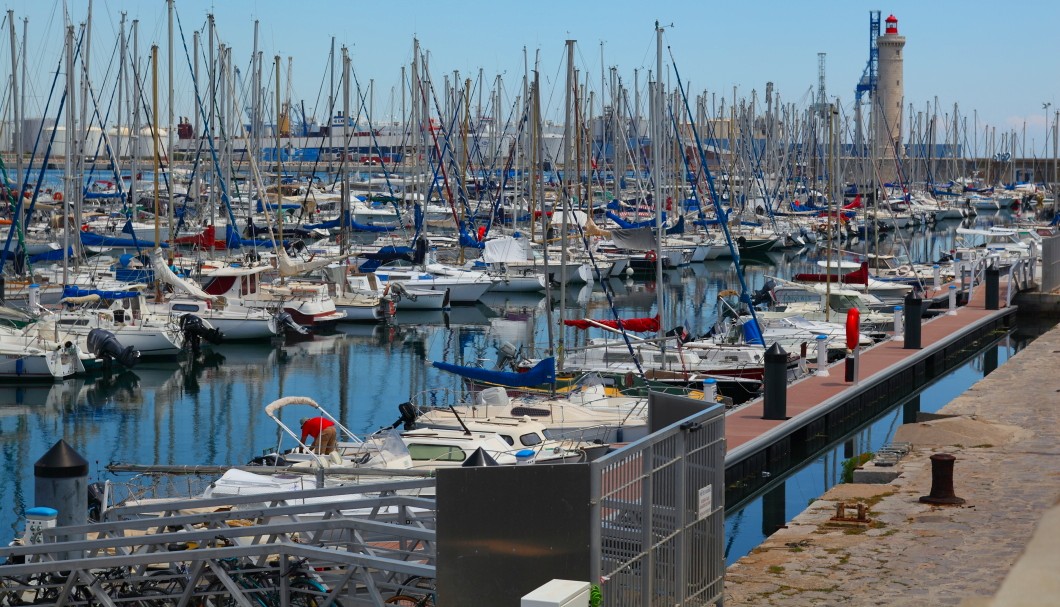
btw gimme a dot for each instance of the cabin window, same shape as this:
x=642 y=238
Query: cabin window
x=530 y=439
x=508 y=439
x=77 y=322
x=178 y=307
x=436 y=453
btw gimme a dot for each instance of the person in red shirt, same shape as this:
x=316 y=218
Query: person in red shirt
x=323 y=432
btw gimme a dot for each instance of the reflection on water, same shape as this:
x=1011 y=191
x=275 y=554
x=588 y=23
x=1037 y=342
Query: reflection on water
x=211 y=411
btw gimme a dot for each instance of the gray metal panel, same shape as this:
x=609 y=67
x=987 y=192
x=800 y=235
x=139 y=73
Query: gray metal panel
x=1050 y=264
x=659 y=512
x=665 y=409
x=504 y=531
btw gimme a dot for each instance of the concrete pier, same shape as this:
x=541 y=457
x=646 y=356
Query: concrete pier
x=998 y=549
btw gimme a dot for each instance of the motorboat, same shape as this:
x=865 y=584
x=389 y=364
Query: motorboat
x=585 y=415
x=462 y=289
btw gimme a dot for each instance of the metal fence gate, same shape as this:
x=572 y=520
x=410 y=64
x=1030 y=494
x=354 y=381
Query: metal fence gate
x=658 y=516
x=1050 y=264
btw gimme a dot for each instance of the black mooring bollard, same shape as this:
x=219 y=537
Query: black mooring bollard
x=993 y=288
x=913 y=316
x=61 y=482
x=942 y=481
x=775 y=388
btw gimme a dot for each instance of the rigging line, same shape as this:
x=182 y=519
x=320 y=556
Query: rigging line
x=44 y=164
x=744 y=293
x=565 y=201
x=222 y=184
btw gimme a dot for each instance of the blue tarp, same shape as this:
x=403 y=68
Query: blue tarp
x=385 y=254
x=751 y=334
x=543 y=372
x=70 y=291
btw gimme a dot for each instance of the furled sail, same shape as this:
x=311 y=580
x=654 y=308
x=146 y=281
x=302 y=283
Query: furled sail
x=166 y=275
x=290 y=267
x=544 y=372
x=637 y=325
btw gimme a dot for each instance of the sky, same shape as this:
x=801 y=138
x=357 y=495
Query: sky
x=1000 y=62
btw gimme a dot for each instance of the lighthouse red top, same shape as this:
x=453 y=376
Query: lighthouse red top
x=892 y=25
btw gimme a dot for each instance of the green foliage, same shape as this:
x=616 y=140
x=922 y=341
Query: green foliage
x=850 y=464
x=596 y=596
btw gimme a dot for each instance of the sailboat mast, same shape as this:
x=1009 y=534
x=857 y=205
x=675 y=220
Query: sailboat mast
x=211 y=103
x=656 y=168
x=134 y=135
x=279 y=168
x=155 y=141
x=15 y=104
x=68 y=160
x=344 y=226
x=171 y=144
x=564 y=197
x=539 y=182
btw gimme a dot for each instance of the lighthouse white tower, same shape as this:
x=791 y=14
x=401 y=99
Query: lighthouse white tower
x=890 y=93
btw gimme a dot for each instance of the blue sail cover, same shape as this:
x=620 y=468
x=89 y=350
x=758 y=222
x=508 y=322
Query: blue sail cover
x=90 y=239
x=287 y=206
x=71 y=291
x=55 y=255
x=543 y=372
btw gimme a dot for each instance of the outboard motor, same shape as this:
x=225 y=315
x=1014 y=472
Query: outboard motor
x=682 y=335
x=296 y=247
x=270 y=459
x=195 y=330
x=765 y=294
x=507 y=354
x=409 y=413
x=102 y=344
x=419 y=252
x=96 y=493
x=284 y=319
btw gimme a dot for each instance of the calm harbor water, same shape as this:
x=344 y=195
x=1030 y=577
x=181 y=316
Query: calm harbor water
x=211 y=411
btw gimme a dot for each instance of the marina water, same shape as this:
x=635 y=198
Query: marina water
x=211 y=410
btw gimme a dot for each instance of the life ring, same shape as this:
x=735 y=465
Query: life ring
x=904 y=270
x=650 y=256
x=57 y=196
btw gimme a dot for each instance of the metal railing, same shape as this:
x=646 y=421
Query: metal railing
x=1021 y=275
x=658 y=516
x=1050 y=264
x=349 y=545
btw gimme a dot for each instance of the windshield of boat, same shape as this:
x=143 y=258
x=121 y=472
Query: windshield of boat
x=842 y=303
x=388 y=445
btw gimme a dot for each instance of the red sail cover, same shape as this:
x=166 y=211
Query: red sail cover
x=637 y=325
x=857 y=277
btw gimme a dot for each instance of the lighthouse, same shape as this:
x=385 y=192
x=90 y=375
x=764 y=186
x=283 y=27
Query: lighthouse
x=890 y=93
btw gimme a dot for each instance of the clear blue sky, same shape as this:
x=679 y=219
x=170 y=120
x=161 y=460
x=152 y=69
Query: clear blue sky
x=1000 y=60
